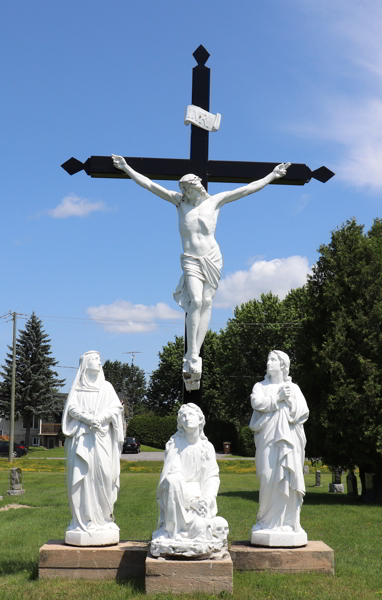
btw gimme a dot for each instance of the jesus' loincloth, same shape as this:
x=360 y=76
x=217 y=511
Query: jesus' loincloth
x=206 y=268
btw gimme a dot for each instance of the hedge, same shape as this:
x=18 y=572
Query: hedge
x=156 y=431
x=152 y=431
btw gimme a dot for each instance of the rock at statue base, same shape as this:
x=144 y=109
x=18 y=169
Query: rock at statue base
x=100 y=537
x=198 y=549
x=15 y=492
x=278 y=539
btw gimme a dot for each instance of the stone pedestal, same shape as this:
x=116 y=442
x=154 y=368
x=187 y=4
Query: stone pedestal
x=188 y=576
x=123 y=561
x=278 y=539
x=314 y=557
x=16 y=492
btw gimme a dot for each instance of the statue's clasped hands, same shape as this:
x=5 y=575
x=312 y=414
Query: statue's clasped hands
x=285 y=394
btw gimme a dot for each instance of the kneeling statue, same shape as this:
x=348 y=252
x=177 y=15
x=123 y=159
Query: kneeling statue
x=188 y=486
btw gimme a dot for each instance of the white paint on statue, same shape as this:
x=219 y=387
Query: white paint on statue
x=279 y=412
x=201 y=260
x=92 y=422
x=188 y=486
x=201 y=118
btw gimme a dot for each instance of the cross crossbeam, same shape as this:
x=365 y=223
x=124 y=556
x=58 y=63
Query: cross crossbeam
x=171 y=169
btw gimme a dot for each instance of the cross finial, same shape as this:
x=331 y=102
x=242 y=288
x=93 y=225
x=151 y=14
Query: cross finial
x=201 y=55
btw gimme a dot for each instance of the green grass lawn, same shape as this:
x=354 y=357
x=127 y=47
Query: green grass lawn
x=352 y=529
x=60 y=452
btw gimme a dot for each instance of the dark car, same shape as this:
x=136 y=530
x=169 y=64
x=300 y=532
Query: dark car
x=131 y=445
x=17 y=449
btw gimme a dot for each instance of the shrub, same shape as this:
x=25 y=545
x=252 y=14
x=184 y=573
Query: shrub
x=219 y=431
x=152 y=431
x=246 y=443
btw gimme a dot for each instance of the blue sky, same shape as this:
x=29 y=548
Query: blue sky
x=295 y=81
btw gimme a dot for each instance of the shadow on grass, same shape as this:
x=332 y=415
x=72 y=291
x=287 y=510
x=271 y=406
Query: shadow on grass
x=325 y=498
x=135 y=584
x=12 y=567
x=252 y=496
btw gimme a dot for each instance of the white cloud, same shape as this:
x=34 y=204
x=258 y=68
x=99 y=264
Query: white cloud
x=352 y=118
x=123 y=316
x=74 y=206
x=278 y=276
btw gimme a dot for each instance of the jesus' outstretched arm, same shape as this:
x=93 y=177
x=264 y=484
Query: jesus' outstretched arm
x=251 y=188
x=120 y=163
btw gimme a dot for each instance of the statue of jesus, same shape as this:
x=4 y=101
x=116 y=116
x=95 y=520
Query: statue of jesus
x=201 y=260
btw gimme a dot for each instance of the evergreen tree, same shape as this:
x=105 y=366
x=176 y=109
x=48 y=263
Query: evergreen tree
x=258 y=327
x=37 y=384
x=342 y=379
x=130 y=381
x=165 y=391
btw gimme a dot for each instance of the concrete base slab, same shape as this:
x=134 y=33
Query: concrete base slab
x=123 y=561
x=106 y=537
x=315 y=557
x=15 y=492
x=188 y=576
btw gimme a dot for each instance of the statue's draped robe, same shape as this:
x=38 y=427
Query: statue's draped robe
x=93 y=456
x=206 y=268
x=189 y=471
x=280 y=452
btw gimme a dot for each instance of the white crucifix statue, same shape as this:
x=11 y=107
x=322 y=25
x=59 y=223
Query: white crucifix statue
x=201 y=260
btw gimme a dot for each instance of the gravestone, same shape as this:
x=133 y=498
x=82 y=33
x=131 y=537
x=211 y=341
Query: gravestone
x=15 y=484
x=305 y=470
x=336 y=486
x=351 y=481
x=318 y=478
x=371 y=487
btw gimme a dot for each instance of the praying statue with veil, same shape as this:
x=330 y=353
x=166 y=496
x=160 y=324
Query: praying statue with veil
x=201 y=260
x=92 y=423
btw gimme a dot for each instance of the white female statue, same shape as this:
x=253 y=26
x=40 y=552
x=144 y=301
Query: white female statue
x=279 y=411
x=201 y=260
x=187 y=492
x=92 y=422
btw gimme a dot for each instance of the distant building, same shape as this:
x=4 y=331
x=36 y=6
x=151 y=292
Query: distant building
x=45 y=432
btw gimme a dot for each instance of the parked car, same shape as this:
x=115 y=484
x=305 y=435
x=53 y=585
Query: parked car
x=131 y=445
x=18 y=450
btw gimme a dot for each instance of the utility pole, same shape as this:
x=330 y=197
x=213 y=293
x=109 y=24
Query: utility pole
x=13 y=392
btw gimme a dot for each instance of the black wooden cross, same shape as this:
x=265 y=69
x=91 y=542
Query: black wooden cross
x=198 y=163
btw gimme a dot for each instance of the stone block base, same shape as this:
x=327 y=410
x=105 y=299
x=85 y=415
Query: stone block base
x=15 y=492
x=188 y=576
x=315 y=556
x=123 y=561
